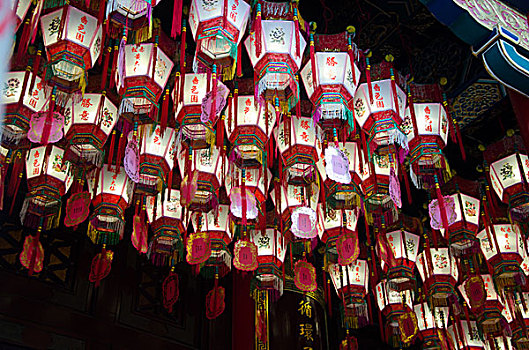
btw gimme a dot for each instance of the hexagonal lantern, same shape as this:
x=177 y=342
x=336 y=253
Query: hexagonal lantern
x=275 y=47
x=426 y=127
x=333 y=84
x=431 y=324
x=504 y=248
x=166 y=221
x=72 y=51
x=376 y=185
x=157 y=153
x=132 y=13
x=490 y=318
x=255 y=182
x=87 y=126
x=216 y=224
x=271 y=252
x=218 y=28
x=141 y=80
x=208 y=163
x=250 y=130
x=298 y=140
x=347 y=196
x=20 y=106
x=335 y=223
x=351 y=283
x=379 y=107
x=189 y=109
x=48 y=178
x=518 y=319
x=112 y=193
x=439 y=273
x=470 y=338
x=400 y=271
x=509 y=172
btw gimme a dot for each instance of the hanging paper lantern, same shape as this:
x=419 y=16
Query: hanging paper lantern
x=426 y=125
x=519 y=320
x=432 y=325
x=336 y=222
x=157 y=153
x=73 y=45
x=404 y=247
x=332 y=85
x=490 y=318
x=463 y=219
x=275 y=46
x=249 y=131
x=381 y=177
x=271 y=250
x=504 y=248
x=20 y=106
x=112 y=193
x=215 y=224
x=87 y=125
x=218 y=28
x=299 y=142
x=131 y=13
x=401 y=324
x=208 y=166
x=379 y=107
x=166 y=220
x=49 y=178
x=469 y=339
x=351 y=283
x=21 y=11
x=143 y=71
x=439 y=273
x=189 y=110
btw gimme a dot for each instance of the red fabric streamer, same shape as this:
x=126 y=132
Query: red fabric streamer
x=313 y=61
x=182 y=60
x=296 y=23
x=176 y=28
x=165 y=111
x=111 y=150
x=239 y=61
x=406 y=183
x=441 y=201
x=114 y=67
x=460 y=141
x=48 y=121
x=24 y=41
x=257 y=31
x=368 y=79
x=36 y=67
x=105 y=69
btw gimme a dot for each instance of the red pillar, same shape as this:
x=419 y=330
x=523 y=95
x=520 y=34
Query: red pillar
x=520 y=106
x=243 y=313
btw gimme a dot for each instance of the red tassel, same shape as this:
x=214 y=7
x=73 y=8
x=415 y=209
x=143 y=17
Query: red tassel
x=33 y=252
x=177 y=19
x=239 y=61
x=257 y=31
x=406 y=182
x=165 y=111
x=412 y=113
x=103 y=38
x=24 y=41
x=220 y=133
x=236 y=104
x=154 y=57
x=114 y=67
x=351 y=58
x=368 y=78
x=36 y=67
x=105 y=69
x=313 y=61
x=182 y=59
x=460 y=141
x=296 y=23
x=214 y=82
x=121 y=150
x=243 y=197
x=111 y=150
x=35 y=21
x=24 y=87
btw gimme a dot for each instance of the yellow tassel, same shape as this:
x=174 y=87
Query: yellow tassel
x=82 y=84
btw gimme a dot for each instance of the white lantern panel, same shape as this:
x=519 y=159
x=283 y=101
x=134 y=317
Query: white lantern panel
x=306 y=76
x=50 y=25
x=382 y=100
x=507 y=173
x=207 y=10
x=442 y=264
x=81 y=27
x=12 y=89
x=195 y=88
x=163 y=69
x=358 y=274
x=265 y=243
x=471 y=207
x=507 y=237
x=35 y=162
x=385 y=296
x=169 y=208
x=403 y=244
x=156 y=144
x=95 y=48
x=330 y=67
x=291 y=197
x=138 y=60
x=110 y=182
x=472 y=339
x=278 y=36
x=252 y=180
x=22 y=8
x=238 y=15
x=428 y=320
x=86 y=112
x=193 y=19
x=249 y=114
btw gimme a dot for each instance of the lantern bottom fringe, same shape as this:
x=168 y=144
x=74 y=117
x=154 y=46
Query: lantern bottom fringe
x=10 y=137
x=270 y=282
x=94 y=156
x=398 y=137
x=47 y=216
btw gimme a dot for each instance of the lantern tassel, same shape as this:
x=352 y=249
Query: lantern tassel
x=111 y=150
x=48 y=121
x=368 y=79
x=313 y=60
x=220 y=133
x=24 y=41
x=257 y=31
x=243 y=197
x=441 y=202
x=24 y=87
x=176 y=28
x=35 y=20
x=165 y=111
x=406 y=183
x=351 y=57
x=121 y=149
x=239 y=61
x=36 y=67
x=296 y=23
x=182 y=59
x=214 y=82
x=114 y=68
x=105 y=68
x=33 y=252
x=460 y=140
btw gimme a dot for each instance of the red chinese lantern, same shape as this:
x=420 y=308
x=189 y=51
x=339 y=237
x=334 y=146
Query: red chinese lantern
x=439 y=273
x=21 y=11
x=275 y=47
x=271 y=250
x=332 y=85
x=166 y=221
x=218 y=28
x=20 y=105
x=112 y=193
x=469 y=339
x=157 y=153
x=143 y=71
x=87 y=125
x=131 y=13
x=432 y=325
x=379 y=107
x=48 y=179
x=73 y=45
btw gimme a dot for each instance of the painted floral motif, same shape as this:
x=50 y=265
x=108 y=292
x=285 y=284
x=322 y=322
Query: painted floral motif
x=161 y=68
x=277 y=35
x=209 y=5
x=349 y=77
x=444 y=125
x=205 y=157
x=57 y=163
x=506 y=171
x=359 y=107
x=97 y=46
x=67 y=116
x=263 y=242
x=410 y=245
x=441 y=261
x=107 y=118
x=406 y=126
x=470 y=209
x=382 y=161
x=10 y=87
x=173 y=205
x=53 y=27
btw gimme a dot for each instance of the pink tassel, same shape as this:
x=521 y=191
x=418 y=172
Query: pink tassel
x=49 y=117
x=176 y=28
x=239 y=61
x=296 y=23
x=154 y=57
x=243 y=198
x=214 y=82
x=105 y=69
